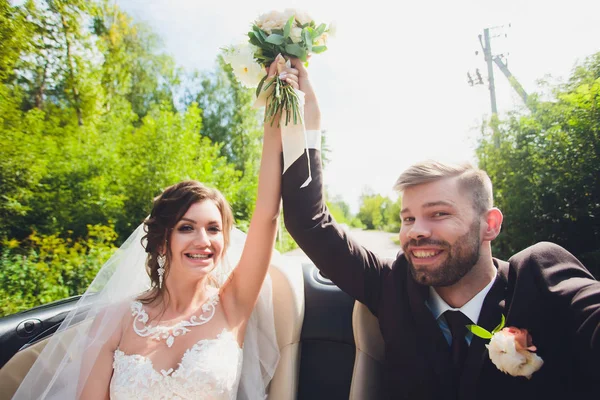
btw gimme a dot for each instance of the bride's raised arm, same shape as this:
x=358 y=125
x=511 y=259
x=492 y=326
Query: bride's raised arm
x=241 y=291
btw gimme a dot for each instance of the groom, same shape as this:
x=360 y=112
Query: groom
x=446 y=278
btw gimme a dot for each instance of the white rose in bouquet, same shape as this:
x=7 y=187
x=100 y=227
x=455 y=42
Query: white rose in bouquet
x=271 y=20
x=301 y=17
x=296 y=35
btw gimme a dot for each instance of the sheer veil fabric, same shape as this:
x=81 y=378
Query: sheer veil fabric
x=73 y=349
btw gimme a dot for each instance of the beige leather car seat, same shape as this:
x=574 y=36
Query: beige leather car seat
x=288 y=300
x=13 y=372
x=367 y=376
x=288 y=303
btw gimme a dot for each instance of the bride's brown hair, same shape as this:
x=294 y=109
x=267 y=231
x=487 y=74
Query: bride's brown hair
x=167 y=209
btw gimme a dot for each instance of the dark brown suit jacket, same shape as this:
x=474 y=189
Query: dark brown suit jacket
x=543 y=289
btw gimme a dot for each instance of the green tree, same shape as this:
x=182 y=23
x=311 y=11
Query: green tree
x=371 y=212
x=544 y=167
x=91 y=134
x=165 y=149
x=134 y=68
x=392 y=215
x=14 y=38
x=379 y=212
x=229 y=116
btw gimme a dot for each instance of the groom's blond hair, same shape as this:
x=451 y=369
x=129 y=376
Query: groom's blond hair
x=472 y=179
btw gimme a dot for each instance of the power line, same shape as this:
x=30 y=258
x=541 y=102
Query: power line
x=485 y=41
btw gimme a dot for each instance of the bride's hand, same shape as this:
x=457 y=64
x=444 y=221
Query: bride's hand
x=286 y=74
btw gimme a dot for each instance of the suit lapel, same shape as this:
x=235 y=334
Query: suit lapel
x=490 y=316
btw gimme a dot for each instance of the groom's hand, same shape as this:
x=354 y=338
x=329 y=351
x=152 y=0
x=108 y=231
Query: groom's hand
x=312 y=113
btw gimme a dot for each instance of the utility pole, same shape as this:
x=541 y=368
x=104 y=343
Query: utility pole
x=487 y=52
x=490 y=59
x=513 y=81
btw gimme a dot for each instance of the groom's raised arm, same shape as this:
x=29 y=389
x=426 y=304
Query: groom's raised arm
x=356 y=270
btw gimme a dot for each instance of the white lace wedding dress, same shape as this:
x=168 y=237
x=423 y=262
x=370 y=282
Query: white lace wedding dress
x=209 y=370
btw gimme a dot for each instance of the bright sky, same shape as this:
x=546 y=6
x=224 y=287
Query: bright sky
x=393 y=85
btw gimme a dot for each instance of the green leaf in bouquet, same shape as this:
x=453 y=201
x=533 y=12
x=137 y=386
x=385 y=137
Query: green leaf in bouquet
x=277 y=31
x=263 y=60
x=296 y=50
x=319 y=49
x=275 y=39
x=307 y=38
x=274 y=81
x=288 y=27
x=254 y=40
x=259 y=32
x=260 y=84
x=319 y=31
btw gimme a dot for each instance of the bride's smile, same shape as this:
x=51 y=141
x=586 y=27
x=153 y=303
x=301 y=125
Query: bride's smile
x=197 y=241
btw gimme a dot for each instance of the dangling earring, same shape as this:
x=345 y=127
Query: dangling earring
x=161 y=268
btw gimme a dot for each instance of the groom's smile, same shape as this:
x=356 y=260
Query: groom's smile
x=424 y=257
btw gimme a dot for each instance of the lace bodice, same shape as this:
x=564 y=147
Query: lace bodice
x=209 y=370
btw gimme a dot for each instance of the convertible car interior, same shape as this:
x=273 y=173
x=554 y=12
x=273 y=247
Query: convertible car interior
x=324 y=337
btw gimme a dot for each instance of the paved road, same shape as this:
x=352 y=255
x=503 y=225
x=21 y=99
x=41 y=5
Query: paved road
x=378 y=242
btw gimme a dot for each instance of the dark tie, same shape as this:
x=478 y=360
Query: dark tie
x=457 y=321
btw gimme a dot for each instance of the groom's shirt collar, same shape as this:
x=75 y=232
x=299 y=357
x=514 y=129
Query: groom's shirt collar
x=471 y=309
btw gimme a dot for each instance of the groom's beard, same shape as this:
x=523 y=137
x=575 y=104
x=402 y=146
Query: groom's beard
x=461 y=258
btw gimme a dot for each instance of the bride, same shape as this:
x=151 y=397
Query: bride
x=202 y=327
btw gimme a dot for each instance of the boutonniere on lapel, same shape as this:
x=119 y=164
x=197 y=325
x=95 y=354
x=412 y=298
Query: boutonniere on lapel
x=510 y=349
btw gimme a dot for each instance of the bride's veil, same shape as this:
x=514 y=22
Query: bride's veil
x=67 y=360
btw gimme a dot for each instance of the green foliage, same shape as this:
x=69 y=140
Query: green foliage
x=340 y=210
x=52 y=268
x=284 y=242
x=13 y=29
x=484 y=333
x=229 y=119
x=544 y=167
x=134 y=69
x=91 y=134
x=379 y=212
x=228 y=115
x=479 y=331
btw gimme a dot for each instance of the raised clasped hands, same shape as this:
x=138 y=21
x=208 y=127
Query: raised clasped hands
x=297 y=77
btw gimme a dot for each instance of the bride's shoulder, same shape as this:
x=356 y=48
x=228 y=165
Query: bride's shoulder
x=108 y=323
x=117 y=313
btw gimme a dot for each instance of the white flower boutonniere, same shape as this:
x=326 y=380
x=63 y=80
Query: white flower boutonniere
x=510 y=349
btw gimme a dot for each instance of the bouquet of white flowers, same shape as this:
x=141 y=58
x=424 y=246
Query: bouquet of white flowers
x=290 y=33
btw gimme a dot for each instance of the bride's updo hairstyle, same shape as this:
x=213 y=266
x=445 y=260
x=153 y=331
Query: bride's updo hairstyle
x=167 y=209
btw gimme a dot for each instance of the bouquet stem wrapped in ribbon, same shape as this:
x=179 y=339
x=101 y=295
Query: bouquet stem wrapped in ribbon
x=292 y=34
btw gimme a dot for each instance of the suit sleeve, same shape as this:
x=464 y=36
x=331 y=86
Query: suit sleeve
x=353 y=268
x=572 y=288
